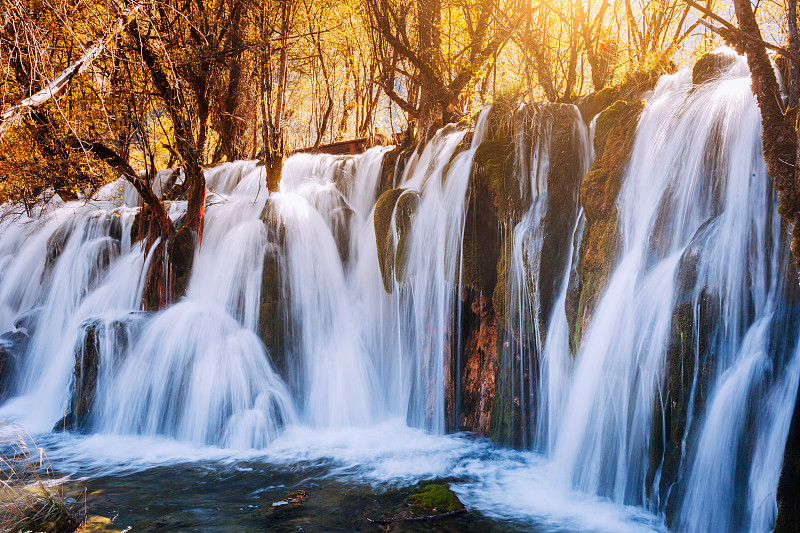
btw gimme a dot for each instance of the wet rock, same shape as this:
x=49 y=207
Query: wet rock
x=167 y=523
x=550 y=133
x=180 y=255
x=84 y=386
x=13 y=345
x=274 y=303
x=99 y=338
x=56 y=243
x=712 y=65
x=28 y=320
x=479 y=364
x=384 y=235
x=430 y=502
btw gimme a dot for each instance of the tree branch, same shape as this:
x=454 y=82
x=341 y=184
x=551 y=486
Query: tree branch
x=15 y=112
x=737 y=31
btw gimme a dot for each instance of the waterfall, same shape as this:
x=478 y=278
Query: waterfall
x=443 y=287
x=700 y=241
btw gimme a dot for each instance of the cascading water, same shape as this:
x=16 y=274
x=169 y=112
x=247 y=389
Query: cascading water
x=697 y=225
x=344 y=300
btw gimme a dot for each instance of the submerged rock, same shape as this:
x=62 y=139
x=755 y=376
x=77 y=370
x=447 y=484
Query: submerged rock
x=430 y=502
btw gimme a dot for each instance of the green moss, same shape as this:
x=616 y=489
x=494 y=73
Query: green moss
x=382 y=220
x=436 y=497
x=632 y=87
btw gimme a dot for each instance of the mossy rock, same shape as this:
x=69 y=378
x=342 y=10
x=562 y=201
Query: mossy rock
x=392 y=166
x=436 y=497
x=593 y=104
x=405 y=212
x=495 y=201
x=631 y=88
x=712 y=65
x=614 y=135
x=384 y=235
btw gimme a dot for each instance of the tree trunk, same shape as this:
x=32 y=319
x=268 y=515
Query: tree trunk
x=779 y=137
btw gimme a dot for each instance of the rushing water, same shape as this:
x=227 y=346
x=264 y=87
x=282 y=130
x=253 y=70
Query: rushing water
x=357 y=396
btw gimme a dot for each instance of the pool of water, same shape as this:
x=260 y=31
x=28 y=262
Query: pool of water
x=152 y=484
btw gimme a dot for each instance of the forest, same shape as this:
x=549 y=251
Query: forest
x=362 y=265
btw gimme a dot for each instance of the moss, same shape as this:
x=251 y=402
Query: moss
x=382 y=220
x=435 y=497
x=495 y=200
x=613 y=141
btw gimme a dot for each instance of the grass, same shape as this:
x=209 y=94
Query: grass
x=29 y=498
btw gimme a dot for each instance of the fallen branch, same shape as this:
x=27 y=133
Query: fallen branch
x=15 y=112
x=739 y=33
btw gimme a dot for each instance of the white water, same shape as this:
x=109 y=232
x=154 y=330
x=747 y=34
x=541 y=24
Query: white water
x=194 y=382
